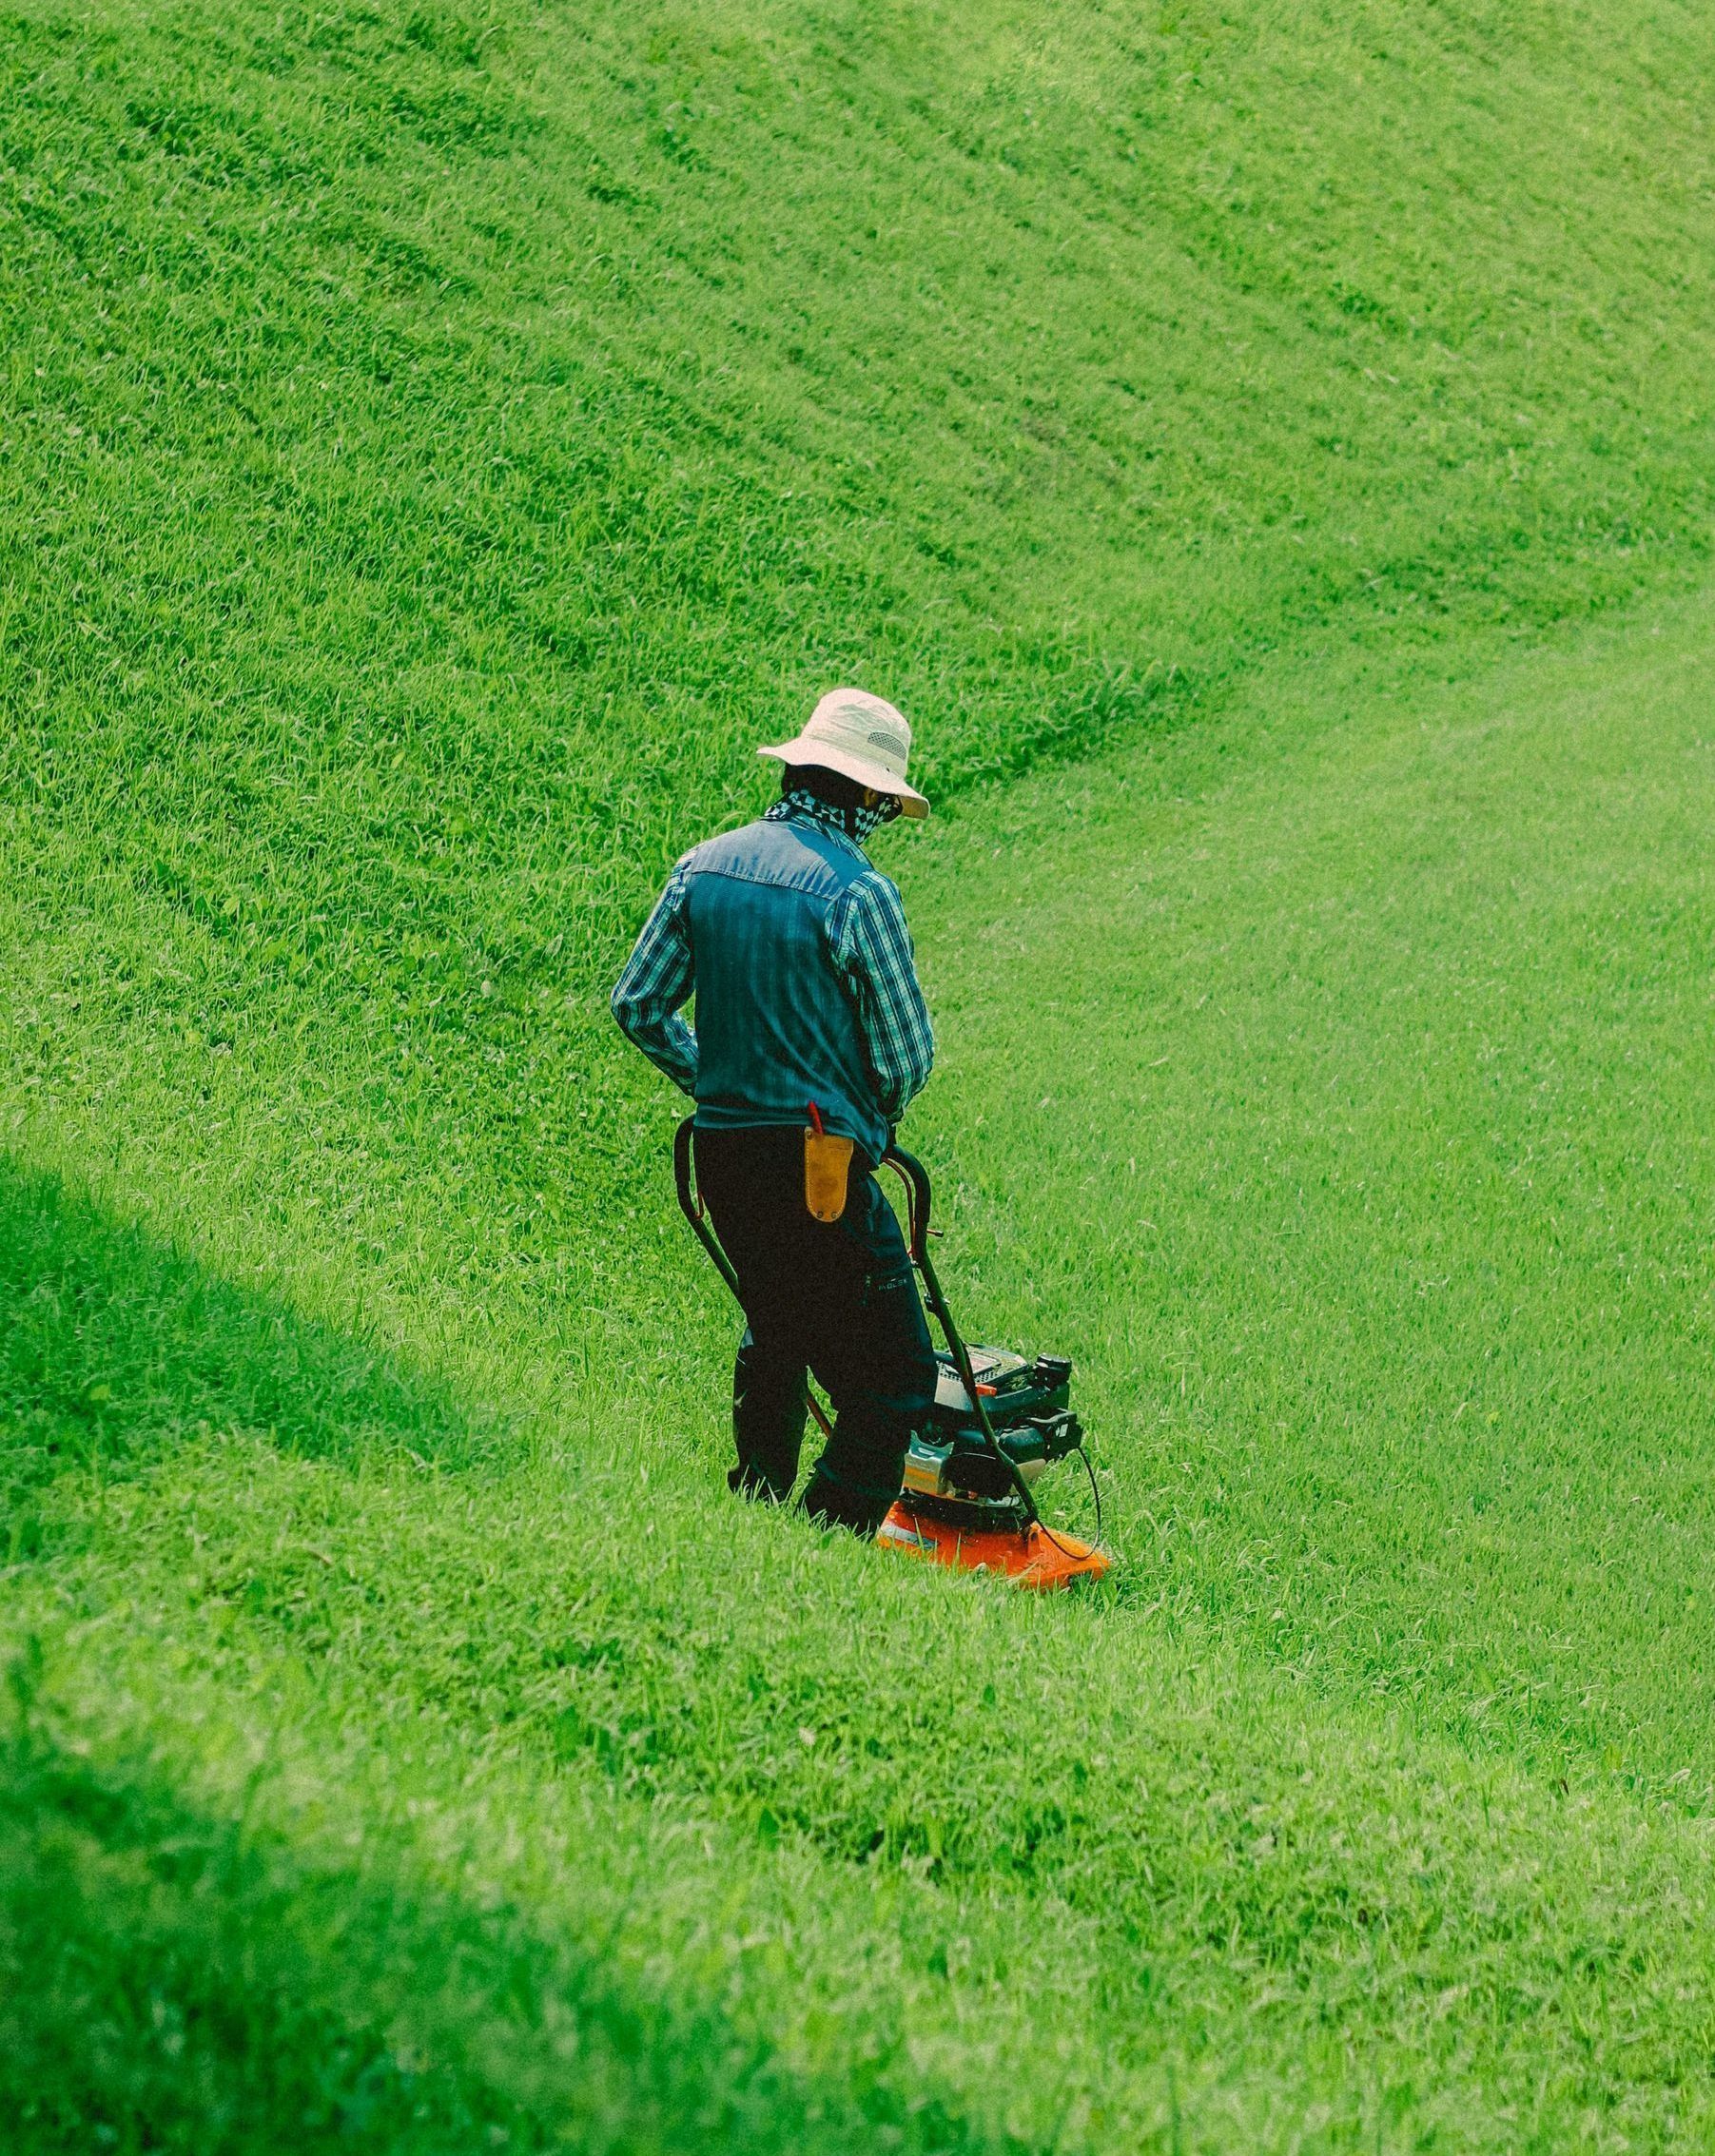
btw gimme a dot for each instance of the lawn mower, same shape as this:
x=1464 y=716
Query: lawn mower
x=998 y=1421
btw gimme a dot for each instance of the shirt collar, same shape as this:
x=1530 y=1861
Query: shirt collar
x=800 y=807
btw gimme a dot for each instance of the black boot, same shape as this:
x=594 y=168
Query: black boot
x=861 y=1507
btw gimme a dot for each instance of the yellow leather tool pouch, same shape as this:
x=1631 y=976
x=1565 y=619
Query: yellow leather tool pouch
x=827 y=1167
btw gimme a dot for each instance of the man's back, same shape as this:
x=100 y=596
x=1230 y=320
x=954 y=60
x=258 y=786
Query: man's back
x=777 y=1024
x=799 y=957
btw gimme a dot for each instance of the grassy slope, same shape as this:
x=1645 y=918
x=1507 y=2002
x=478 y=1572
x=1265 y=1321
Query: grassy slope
x=899 y=1827
x=1382 y=1123
x=441 y=446
x=333 y=719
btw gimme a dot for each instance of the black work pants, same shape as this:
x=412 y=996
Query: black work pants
x=837 y=1300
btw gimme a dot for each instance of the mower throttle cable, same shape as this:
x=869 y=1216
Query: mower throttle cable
x=912 y=1174
x=915 y=1176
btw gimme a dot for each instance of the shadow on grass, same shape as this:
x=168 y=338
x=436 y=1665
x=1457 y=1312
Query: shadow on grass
x=113 y=1349
x=170 y=1981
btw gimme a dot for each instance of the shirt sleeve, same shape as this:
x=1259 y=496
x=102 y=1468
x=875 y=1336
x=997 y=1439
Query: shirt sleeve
x=872 y=948
x=657 y=981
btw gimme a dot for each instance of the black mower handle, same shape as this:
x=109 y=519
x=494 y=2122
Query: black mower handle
x=915 y=1176
x=691 y=1205
x=905 y=1165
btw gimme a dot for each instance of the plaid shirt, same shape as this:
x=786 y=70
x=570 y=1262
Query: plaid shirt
x=868 y=941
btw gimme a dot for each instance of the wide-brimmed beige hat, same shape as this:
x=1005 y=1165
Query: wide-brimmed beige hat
x=862 y=737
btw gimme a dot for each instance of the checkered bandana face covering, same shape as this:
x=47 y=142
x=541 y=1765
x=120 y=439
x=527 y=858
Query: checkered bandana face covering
x=863 y=822
x=859 y=824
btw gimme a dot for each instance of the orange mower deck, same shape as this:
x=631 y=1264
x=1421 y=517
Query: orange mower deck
x=1035 y=1558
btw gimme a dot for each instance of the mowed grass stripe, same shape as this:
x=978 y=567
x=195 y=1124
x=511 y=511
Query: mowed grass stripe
x=1353 y=1120
x=1204 y=1876
x=188 y=1979
x=1295 y=1931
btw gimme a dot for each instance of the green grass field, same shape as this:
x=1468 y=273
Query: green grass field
x=1271 y=460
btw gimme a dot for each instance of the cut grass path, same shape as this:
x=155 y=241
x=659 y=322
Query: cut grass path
x=1334 y=1099
x=1353 y=1120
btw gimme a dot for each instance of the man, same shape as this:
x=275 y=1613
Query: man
x=808 y=1017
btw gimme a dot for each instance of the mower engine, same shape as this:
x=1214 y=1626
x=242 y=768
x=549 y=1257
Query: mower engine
x=951 y=1475
x=962 y=1504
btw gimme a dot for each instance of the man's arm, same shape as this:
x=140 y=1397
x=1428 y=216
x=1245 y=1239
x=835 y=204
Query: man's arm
x=872 y=947
x=657 y=980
